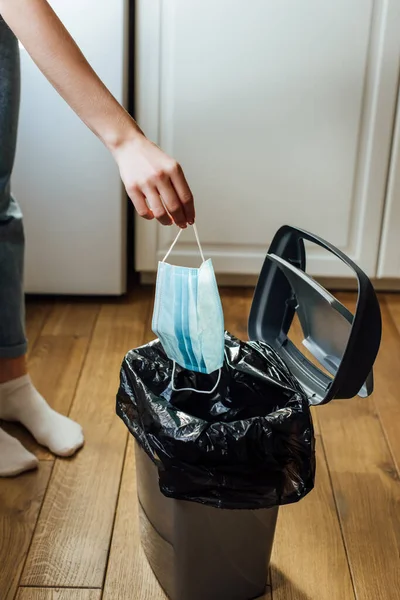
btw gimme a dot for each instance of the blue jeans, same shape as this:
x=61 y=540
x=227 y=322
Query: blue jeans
x=12 y=319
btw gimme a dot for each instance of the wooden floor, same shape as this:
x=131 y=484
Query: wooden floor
x=69 y=531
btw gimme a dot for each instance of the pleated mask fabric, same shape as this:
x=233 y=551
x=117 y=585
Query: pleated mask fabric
x=188 y=317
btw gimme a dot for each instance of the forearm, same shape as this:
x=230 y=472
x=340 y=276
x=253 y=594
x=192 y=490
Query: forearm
x=58 y=57
x=154 y=182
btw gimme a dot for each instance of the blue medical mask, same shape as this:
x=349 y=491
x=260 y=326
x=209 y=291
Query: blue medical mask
x=188 y=317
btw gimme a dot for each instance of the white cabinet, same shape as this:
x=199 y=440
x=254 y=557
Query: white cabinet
x=389 y=260
x=65 y=180
x=280 y=112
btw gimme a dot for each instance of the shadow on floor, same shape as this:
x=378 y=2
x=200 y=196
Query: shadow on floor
x=283 y=588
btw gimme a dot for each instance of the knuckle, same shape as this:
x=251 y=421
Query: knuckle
x=159 y=175
x=142 y=212
x=159 y=213
x=132 y=188
x=174 y=168
x=187 y=198
x=174 y=208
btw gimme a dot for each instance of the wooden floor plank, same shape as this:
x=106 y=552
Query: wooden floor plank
x=367 y=492
x=387 y=374
x=367 y=489
x=387 y=370
x=71 y=542
x=236 y=304
x=309 y=559
x=36 y=314
x=20 y=501
x=392 y=301
x=68 y=318
x=57 y=594
x=129 y=574
x=55 y=367
x=364 y=477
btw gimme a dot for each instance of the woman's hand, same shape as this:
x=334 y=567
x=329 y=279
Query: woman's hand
x=154 y=182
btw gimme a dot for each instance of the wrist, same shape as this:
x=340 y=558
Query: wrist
x=123 y=131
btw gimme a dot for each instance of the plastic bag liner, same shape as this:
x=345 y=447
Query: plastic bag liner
x=249 y=445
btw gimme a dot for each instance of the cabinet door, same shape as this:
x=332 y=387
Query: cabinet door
x=389 y=258
x=280 y=112
x=67 y=183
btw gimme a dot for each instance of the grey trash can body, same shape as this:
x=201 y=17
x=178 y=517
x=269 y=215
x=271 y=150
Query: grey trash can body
x=202 y=553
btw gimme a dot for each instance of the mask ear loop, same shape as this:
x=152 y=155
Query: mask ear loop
x=192 y=389
x=177 y=238
x=198 y=242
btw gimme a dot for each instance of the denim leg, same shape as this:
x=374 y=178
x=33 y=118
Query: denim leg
x=12 y=328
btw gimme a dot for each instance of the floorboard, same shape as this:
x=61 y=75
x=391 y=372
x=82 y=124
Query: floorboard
x=20 y=503
x=309 y=558
x=71 y=542
x=57 y=594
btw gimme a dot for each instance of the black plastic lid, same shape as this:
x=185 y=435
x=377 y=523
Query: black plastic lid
x=345 y=344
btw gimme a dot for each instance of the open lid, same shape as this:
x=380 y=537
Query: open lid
x=345 y=345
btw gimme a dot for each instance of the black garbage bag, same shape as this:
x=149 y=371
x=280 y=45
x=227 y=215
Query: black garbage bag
x=248 y=445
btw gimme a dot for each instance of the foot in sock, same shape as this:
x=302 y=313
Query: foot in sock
x=20 y=401
x=14 y=459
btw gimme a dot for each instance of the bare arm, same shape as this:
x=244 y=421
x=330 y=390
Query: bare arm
x=146 y=171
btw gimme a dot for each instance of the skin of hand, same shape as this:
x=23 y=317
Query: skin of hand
x=154 y=181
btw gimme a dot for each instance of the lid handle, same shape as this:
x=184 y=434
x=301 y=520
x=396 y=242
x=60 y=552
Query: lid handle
x=275 y=296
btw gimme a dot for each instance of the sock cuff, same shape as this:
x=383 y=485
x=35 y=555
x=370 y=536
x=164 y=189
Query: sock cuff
x=15 y=384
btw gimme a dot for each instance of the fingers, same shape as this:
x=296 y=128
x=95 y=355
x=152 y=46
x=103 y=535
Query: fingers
x=171 y=200
x=184 y=193
x=157 y=207
x=156 y=185
x=139 y=202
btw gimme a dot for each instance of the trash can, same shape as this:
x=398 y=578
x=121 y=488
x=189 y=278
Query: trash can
x=198 y=552
x=199 y=546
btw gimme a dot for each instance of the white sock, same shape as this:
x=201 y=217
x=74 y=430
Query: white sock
x=14 y=459
x=20 y=401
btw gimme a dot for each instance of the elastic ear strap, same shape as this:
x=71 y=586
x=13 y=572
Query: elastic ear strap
x=177 y=238
x=172 y=246
x=192 y=389
x=198 y=242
